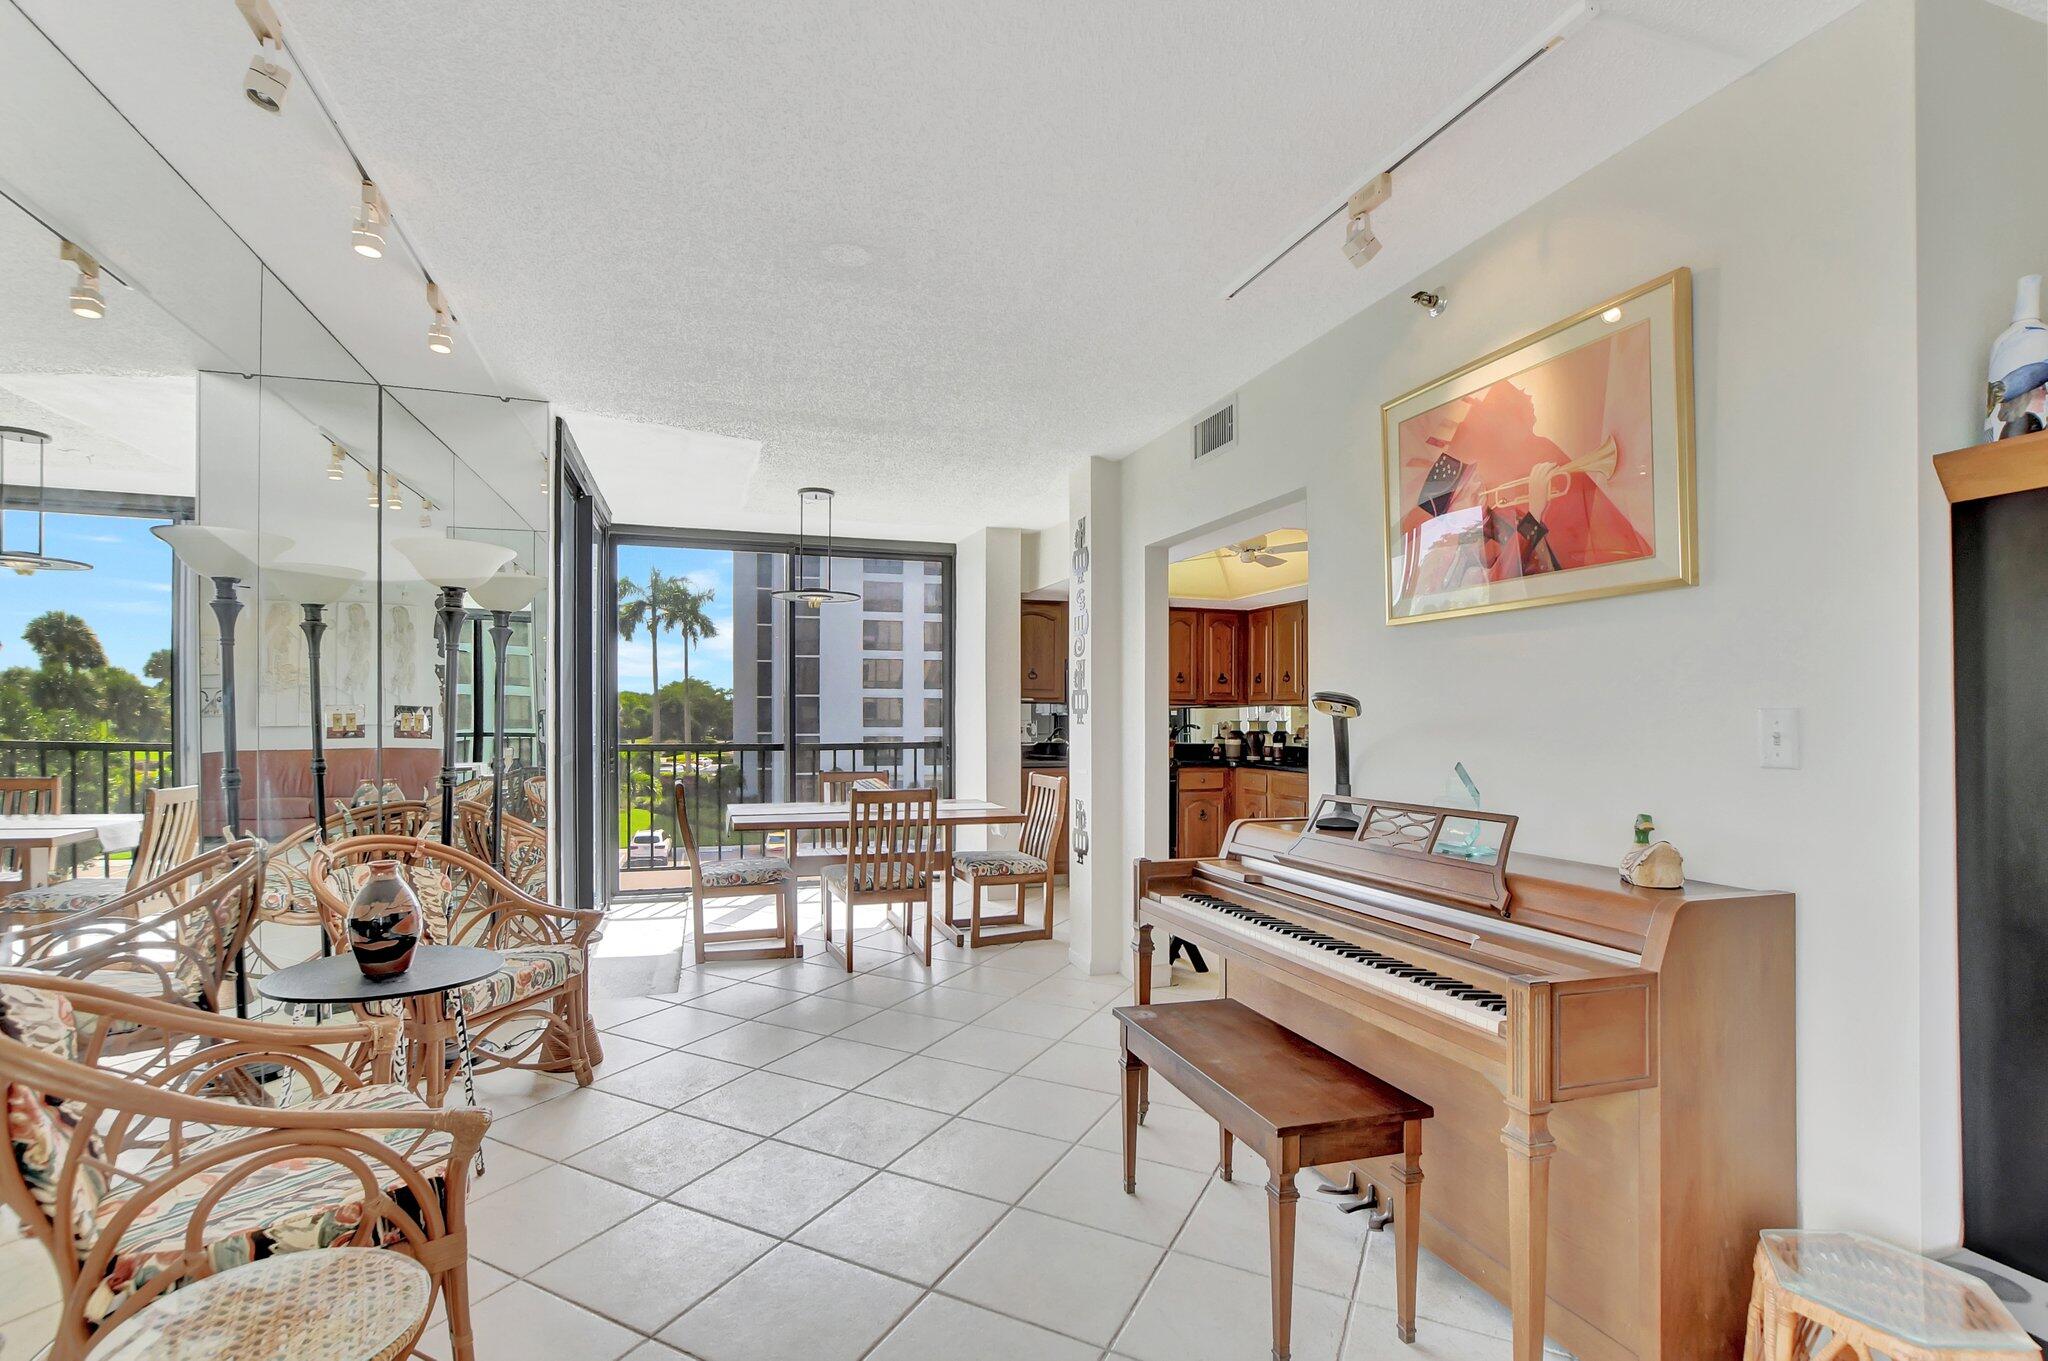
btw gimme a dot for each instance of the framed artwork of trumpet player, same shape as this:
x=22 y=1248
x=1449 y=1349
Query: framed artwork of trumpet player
x=1557 y=469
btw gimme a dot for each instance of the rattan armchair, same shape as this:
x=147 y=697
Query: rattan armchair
x=534 y=1012
x=525 y=861
x=175 y=938
x=139 y=1184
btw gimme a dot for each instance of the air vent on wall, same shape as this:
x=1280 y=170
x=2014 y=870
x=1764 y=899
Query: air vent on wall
x=1216 y=430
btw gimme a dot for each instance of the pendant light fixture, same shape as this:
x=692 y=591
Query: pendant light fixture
x=821 y=593
x=20 y=559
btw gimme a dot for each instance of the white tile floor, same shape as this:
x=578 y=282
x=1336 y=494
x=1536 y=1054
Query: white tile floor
x=777 y=1162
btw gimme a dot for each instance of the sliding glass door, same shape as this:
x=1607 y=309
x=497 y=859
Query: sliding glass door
x=731 y=694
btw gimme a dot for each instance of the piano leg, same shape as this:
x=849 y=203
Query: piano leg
x=1141 y=992
x=1281 y=1197
x=1530 y=1148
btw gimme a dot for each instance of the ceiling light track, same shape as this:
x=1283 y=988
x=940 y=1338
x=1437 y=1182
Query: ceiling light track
x=1359 y=243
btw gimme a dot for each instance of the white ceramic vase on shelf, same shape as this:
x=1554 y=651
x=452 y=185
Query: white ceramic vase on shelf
x=2016 y=395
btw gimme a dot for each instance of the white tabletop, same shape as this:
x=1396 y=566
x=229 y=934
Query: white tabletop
x=113 y=831
x=813 y=814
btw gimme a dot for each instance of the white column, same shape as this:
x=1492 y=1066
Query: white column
x=987 y=639
x=1099 y=879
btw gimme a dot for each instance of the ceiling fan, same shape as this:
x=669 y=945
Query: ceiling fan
x=1255 y=551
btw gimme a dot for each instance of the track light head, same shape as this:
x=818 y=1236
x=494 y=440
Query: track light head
x=1434 y=303
x=367 y=236
x=370 y=475
x=337 y=457
x=1360 y=245
x=440 y=331
x=86 y=299
x=267 y=81
x=392 y=500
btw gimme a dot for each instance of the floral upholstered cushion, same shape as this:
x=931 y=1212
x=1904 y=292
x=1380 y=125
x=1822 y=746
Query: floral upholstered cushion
x=745 y=869
x=978 y=863
x=66 y=895
x=528 y=970
x=867 y=881
x=40 y=1129
x=286 y=1206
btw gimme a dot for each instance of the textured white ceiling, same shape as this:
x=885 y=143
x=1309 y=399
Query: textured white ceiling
x=634 y=205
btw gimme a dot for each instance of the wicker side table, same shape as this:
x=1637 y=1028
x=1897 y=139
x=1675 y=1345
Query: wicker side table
x=331 y=1304
x=1843 y=1296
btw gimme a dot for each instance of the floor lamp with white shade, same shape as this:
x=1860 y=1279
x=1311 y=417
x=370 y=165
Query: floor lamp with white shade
x=456 y=567
x=228 y=557
x=502 y=595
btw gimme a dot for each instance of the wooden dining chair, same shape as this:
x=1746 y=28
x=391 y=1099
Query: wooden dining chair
x=833 y=787
x=745 y=876
x=26 y=794
x=170 y=837
x=892 y=845
x=1045 y=815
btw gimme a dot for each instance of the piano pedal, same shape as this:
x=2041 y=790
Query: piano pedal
x=1369 y=1201
x=1349 y=1188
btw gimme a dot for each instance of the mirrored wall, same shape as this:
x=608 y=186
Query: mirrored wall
x=209 y=439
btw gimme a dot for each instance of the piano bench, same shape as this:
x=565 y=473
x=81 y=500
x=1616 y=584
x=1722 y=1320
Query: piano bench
x=1295 y=1104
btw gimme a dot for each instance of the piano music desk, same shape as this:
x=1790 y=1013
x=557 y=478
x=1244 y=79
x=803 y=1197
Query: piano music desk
x=1295 y=1104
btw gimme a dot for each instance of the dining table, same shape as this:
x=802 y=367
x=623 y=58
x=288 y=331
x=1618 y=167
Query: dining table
x=35 y=838
x=789 y=819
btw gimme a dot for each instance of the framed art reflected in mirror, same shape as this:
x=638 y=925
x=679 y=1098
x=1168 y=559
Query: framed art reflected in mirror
x=1559 y=468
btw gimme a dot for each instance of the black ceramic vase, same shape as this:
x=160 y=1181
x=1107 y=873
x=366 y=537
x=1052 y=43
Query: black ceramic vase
x=384 y=922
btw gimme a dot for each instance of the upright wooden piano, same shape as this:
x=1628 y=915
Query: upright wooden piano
x=1611 y=1066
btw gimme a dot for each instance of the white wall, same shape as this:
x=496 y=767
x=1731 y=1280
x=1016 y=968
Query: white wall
x=987 y=646
x=1791 y=196
x=1980 y=69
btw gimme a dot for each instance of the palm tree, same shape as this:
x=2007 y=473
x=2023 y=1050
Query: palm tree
x=639 y=607
x=63 y=640
x=683 y=611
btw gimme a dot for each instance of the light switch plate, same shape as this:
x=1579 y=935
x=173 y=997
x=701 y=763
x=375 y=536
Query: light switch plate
x=1777 y=738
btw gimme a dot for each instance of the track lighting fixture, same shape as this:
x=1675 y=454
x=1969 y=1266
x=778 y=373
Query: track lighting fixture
x=86 y=299
x=440 y=332
x=268 y=80
x=1433 y=303
x=370 y=476
x=392 y=500
x=1360 y=245
x=336 y=457
x=368 y=234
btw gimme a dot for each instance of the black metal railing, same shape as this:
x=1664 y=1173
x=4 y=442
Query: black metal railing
x=716 y=775
x=99 y=777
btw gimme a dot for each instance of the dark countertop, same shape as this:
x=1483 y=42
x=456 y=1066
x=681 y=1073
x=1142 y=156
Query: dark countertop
x=1210 y=763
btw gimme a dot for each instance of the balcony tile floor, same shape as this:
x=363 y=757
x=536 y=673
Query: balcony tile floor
x=780 y=1162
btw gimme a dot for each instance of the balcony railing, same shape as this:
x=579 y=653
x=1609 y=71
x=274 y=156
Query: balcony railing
x=99 y=777
x=716 y=775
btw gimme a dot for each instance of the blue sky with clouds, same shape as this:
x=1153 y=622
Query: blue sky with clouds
x=126 y=598
x=710 y=661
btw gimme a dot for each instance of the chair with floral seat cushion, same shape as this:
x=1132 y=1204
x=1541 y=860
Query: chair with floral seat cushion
x=175 y=938
x=892 y=848
x=287 y=899
x=731 y=877
x=526 y=846
x=533 y=1013
x=1045 y=814
x=170 y=836
x=140 y=1183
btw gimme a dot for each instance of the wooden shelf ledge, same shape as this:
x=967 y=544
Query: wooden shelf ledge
x=1997 y=469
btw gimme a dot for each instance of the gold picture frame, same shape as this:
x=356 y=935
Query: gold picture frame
x=1627 y=515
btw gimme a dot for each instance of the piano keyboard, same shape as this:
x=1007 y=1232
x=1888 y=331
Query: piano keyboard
x=1453 y=997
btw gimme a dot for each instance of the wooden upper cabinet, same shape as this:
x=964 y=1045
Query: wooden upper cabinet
x=1258 y=657
x=1222 y=658
x=1183 y=657
x=1290 y=653
x=1044 y=651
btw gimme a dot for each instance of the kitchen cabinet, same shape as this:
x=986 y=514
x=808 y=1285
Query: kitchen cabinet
x=1044 y=677
x=1222 y=657
x=1199 y=823
x=1287 y=794
x=1183 y=650
x=1288 y=639
x=1258 y=657
x=1248 y=791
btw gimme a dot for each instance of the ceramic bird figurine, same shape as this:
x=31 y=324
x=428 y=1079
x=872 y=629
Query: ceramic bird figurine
x=1651 y=864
